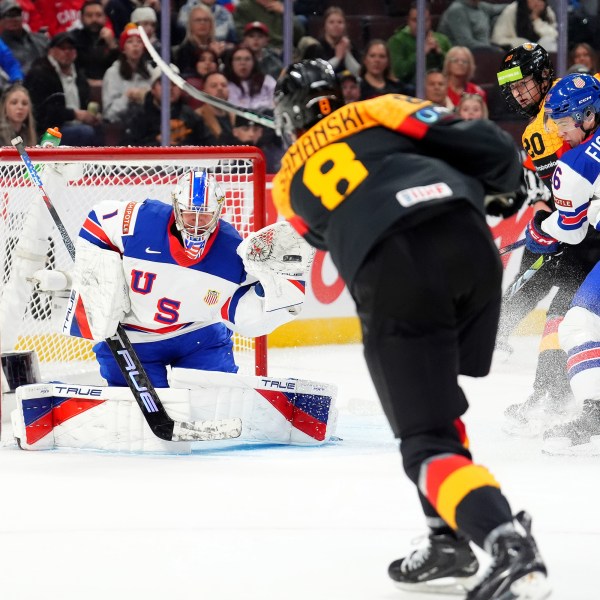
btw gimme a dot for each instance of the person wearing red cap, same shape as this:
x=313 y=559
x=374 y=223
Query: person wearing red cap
x=269 y=12
x=256 y=38
x=127 y=80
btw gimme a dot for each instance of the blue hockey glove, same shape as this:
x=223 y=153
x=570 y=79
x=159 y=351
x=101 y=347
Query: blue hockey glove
x=537 y=240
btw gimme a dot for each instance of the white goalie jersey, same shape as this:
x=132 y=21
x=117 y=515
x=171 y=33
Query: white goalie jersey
x=169 y=293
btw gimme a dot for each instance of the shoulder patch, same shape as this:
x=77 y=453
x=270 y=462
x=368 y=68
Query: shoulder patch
x=127 y=217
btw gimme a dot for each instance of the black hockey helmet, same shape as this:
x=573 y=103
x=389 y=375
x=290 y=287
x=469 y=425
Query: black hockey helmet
x=305 y=93
x=518 y=63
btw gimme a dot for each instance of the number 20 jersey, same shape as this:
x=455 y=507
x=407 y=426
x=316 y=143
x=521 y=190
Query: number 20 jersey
x=384 y=162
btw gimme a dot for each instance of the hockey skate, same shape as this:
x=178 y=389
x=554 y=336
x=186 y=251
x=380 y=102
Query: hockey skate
x=517 y=571
x=445 y=565
x=540 y=411
x=580 y=437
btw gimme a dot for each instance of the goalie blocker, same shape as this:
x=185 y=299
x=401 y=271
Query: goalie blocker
x=273 y=411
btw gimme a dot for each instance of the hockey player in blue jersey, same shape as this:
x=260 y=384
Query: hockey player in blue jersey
x=180 y=281
x=574 y=106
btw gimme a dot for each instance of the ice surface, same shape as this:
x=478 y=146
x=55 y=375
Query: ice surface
x=278 y=523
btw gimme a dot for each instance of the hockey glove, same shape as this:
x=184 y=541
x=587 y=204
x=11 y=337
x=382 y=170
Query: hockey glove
x=537 y=240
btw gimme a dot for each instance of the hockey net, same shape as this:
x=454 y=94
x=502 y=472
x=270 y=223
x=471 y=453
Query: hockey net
x=75 y=179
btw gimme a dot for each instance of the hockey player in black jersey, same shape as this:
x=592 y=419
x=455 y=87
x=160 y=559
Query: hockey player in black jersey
x=394 y=187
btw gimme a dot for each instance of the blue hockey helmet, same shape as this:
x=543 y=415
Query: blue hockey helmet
x=576 y=96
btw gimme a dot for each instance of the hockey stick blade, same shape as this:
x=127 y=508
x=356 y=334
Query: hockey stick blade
x=199 y=95
x=527 y=275
x=128 y=362
x=206 y=431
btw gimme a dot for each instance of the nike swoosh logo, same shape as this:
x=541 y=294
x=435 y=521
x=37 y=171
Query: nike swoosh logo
x=148 y=251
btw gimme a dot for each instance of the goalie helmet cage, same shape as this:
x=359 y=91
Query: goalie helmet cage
x=75 y=179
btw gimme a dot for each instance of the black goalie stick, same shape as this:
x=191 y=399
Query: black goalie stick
x=133 y=371
x=202 y=96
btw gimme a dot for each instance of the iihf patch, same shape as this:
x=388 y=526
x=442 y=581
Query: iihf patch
x=422 y=193
x=212 y=297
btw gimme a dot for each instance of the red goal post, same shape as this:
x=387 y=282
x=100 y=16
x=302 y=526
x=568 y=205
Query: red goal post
x=75 y=179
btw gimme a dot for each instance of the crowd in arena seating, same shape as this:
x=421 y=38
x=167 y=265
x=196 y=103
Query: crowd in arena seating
x=81 y=64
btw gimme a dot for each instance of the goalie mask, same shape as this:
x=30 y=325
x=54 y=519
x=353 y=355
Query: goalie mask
x=304 y=94
x=197 y=204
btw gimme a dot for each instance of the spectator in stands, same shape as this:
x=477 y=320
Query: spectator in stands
x=145 y=17
x=350 y=85
x=526 y=21
x=583 y=54
x=337 y=47
x=403 y=48
x=256 y=37
x=248 y=87
x=60 y=94
x=472 y=106
x=16 y=116
x=376 y=72
x=144 y=128
x=218 y=121
x=25 y=46
x=57 y=15
x=97 y=47
x=269 y=12
x=469 y=22
x=127 y=80
x=200 y=36
x=252 y=134
x=119 y=11
x=208 y=62
x=459 y=68
x=436 y=88
x=224 y=26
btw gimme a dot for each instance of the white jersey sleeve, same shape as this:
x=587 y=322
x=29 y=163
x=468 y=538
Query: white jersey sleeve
x=256 y=309
x=576 y=182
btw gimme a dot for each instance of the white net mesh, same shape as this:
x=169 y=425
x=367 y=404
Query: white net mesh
x=75 y=181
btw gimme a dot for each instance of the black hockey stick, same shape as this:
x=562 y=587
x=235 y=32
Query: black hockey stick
x=510 y=247
x=199 y=95
x=133 y=371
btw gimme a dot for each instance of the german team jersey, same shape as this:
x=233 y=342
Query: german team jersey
x=383 y=162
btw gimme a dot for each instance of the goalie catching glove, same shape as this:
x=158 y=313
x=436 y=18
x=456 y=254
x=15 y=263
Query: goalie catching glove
x=276 y=250
x=279 y=258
